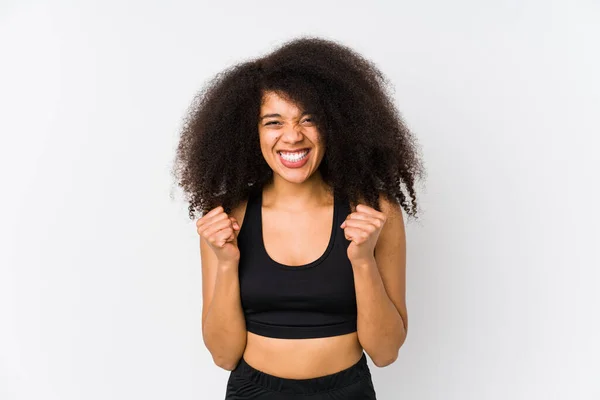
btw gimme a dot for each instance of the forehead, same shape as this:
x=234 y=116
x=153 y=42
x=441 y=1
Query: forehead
x=275 y=103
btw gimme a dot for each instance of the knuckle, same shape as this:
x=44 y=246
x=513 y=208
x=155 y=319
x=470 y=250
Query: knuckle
x=223 y=216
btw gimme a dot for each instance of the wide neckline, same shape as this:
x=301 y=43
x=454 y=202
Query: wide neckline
x=304 y=266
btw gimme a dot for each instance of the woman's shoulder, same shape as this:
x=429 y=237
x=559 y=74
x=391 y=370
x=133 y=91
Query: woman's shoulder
x=239 y=210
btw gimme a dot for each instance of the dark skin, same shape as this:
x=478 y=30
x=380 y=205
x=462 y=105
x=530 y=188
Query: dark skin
x=297 y=213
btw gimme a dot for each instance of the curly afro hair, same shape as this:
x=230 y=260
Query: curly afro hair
x=369 y=150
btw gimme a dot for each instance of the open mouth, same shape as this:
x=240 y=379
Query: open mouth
x=294 y=157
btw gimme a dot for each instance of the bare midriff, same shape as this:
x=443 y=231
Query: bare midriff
x=302 y=358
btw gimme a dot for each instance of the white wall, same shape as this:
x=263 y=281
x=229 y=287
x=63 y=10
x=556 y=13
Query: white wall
x=100 y=272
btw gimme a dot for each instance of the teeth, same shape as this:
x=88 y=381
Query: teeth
x=293 y=156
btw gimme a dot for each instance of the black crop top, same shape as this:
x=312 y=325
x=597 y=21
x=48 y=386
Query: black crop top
x=295 y=302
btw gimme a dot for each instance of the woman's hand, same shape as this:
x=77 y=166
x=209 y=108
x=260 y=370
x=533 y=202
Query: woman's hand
x=220 y=232
x=363 y=227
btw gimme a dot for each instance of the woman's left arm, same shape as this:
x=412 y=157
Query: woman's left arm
x=378 y=256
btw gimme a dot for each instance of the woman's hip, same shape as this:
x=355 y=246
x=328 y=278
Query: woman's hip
x=354 y=383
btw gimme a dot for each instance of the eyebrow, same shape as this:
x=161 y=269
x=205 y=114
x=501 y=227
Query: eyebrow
x=279 y=115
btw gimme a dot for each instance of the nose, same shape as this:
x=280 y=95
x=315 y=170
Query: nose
x=292 y=135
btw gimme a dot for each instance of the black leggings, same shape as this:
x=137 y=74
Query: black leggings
x=354 y=383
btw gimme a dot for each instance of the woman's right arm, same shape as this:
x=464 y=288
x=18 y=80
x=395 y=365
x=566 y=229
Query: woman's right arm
x=223 y=323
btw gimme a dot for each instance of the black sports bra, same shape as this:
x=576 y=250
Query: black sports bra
x=317 y=299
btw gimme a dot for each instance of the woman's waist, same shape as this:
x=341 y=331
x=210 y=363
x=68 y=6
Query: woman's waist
x=302 y=358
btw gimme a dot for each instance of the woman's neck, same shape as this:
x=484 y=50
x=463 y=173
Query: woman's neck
x=280 y=193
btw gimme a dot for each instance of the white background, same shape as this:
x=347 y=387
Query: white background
x=100 y=270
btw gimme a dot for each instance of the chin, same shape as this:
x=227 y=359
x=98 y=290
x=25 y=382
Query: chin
x=294 y=179
x=292 y=176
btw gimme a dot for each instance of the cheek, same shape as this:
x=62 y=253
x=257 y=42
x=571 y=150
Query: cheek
x=320 y=142
x=267 y=140
x=315 y=136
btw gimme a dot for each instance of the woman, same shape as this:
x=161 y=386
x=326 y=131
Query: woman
x=296 y=161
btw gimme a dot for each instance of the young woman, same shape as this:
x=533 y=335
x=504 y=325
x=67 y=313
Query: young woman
x=296 y=161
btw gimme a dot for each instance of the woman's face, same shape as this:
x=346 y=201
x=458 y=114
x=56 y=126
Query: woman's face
x=289 y=139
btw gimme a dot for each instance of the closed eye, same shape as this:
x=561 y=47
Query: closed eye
x=277 y=122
